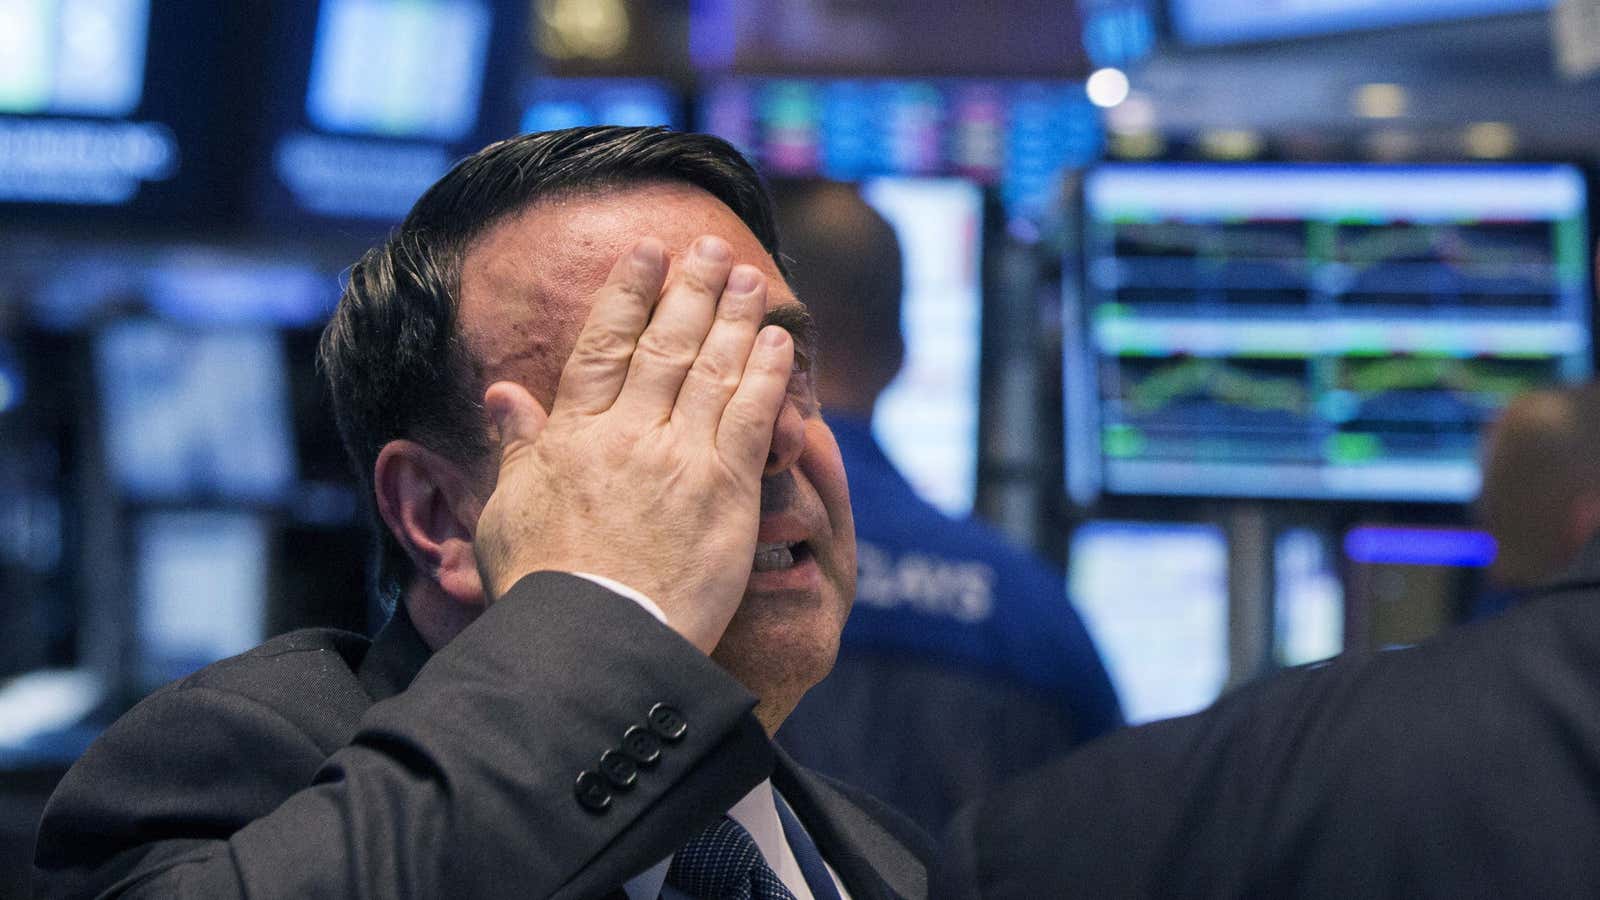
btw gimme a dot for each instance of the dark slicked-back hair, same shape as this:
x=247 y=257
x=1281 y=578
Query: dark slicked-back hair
x=392 y=354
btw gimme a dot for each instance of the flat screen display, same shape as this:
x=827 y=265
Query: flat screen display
x=1235 y=21
x=201 y=589
x=1308 y=598
x=888 y=37
x=194 y=415
x=553 y=103
x=111 y=105
x=926 y=420
x=391 y=93
x=1017 y=135
x=1318 y=332
x=72 y=57
x=1154 y=596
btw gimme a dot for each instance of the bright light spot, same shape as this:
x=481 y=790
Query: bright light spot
x=1379 y=101
x=583 y=29
x=1490 y=140
x=8 y=392
x=1107 y=87
x=1230 y=143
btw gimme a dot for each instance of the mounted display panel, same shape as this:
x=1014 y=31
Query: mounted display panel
x=382 y=97
x=1016 y=135
x=110 y=108
x=1317 y=332
x=1207 y=22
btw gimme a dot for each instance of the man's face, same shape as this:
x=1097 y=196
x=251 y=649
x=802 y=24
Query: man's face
x=525 y=289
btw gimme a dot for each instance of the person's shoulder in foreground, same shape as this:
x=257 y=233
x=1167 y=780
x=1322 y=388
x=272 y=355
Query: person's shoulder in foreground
x=614 y=575
x=1468 y=766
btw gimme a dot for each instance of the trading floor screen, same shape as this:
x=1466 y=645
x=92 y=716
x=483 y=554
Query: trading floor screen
x=1317 y=331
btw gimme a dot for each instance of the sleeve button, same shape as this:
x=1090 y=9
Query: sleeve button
x=592 y=792
x=667 y=723
x=642 y=745
x=621 y=771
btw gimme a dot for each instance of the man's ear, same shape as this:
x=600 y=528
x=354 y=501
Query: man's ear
x=429 y=506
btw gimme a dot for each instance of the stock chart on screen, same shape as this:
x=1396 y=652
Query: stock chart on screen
x=1317 y=331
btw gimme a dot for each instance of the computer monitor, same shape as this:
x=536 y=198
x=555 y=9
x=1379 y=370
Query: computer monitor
x=200 y=588
x=1308 y=599
x=1206 y=22
x=1317 y=332
x=927 y=419
x=194 y=415
x=108 y=109
x=553 y=103
x=389 y=94
x=1016 y=135
x=1154 y=596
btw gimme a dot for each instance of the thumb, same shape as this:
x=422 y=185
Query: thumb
x=518 y=417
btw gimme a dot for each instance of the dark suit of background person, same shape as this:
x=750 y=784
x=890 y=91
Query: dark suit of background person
x=1466 y=766
x=1541 y=489
x=511 y=734
x=962 y=662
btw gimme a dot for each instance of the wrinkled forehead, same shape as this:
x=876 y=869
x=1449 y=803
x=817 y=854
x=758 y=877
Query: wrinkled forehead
x=527 y=283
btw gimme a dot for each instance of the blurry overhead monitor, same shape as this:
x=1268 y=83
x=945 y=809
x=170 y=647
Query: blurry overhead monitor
x=1018 y=135
x=392 y=92
x=1154 y=596
x=200 y=589
x=1317 y=332
x=897 y=37
x=553 y=103
x=194 y=415
x=103 y=104
x=927 y=419
x=1308 y=599
x=1202 y=22
x=72 y=57
x=398 y=69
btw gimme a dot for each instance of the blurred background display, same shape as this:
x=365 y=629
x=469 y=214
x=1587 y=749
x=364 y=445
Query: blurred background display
x=194 y=414
x=1319 y=332
x=926 y=420
x=551 y=103
x=391 y=93
x=202 y=589
x=1155 y=599
x=1231 y=21
x=1018 y=135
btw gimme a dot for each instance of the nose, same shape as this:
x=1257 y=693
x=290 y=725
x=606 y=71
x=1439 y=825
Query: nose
x=788 y=440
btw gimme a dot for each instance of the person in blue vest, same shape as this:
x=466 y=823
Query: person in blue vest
x=963 y=661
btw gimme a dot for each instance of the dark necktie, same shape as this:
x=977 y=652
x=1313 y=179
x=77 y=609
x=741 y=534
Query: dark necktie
x=723 y=863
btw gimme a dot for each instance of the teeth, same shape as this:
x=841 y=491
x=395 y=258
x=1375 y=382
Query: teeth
x=773 y=556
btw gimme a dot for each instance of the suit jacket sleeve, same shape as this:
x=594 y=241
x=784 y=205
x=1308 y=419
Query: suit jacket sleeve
x=461 y=786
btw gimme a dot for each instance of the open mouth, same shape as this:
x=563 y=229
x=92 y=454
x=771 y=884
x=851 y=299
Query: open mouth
x=780 y=555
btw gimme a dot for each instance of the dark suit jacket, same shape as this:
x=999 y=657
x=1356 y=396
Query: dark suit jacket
x=324 y=765
x=1468 y=766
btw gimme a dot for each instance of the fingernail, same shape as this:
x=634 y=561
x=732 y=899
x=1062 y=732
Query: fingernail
x=647 y=252
x=773 y=336
x=744 y=280
x=712 y=249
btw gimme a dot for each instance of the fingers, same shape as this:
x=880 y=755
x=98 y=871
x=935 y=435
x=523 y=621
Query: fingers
x=517 y=415
x=671 y=342
x=598 y=367
x=716 y=372
x=744 y=434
